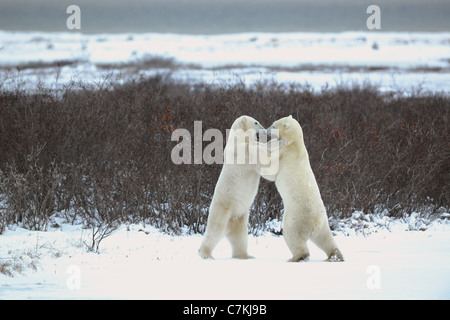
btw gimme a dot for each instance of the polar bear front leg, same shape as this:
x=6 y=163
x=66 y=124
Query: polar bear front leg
x=237 y=235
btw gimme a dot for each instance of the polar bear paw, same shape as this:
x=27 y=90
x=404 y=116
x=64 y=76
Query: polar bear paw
x=335 y=256
x=205 y=254
x=243 y=256
x=301 y=258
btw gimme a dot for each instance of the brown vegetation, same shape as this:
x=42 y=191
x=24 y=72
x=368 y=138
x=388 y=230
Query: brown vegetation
x=103 y=154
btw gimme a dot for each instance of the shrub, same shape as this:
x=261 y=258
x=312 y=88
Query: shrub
x=103 y=153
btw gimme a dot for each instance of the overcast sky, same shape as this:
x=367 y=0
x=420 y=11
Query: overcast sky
x=224 y=16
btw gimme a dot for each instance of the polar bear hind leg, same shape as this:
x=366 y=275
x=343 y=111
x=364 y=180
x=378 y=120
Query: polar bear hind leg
x=233 y=227
x=215 y=231
x=296 y=244
x=237 y=235
x=325 y=241
x=299 y=251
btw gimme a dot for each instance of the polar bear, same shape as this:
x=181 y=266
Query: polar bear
x=235 y=190
x=305 y=216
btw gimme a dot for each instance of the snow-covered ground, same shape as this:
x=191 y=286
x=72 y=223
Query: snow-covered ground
x=392 y=61
x=139 y=262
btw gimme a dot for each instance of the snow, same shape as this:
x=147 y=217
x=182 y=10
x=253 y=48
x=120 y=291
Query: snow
x=139 y=262
x=281 y=49
x=399 y=61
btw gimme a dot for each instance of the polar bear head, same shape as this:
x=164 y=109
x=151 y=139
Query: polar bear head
x=247 y=125
x=290 y=133
x=243 y=141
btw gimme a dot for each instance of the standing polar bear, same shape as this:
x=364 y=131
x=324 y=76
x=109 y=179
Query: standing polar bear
x=305 y=216
x=236 y=189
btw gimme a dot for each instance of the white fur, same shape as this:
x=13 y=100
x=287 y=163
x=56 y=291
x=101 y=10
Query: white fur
x=305 y=216
x=235 y=191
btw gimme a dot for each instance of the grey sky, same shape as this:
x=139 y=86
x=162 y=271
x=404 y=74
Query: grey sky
x=224 y=16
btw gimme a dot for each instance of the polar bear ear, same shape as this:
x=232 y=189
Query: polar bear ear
x=286 y=123
x=244 y=122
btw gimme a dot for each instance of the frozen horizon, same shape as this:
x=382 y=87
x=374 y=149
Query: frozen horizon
x=394 y=61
